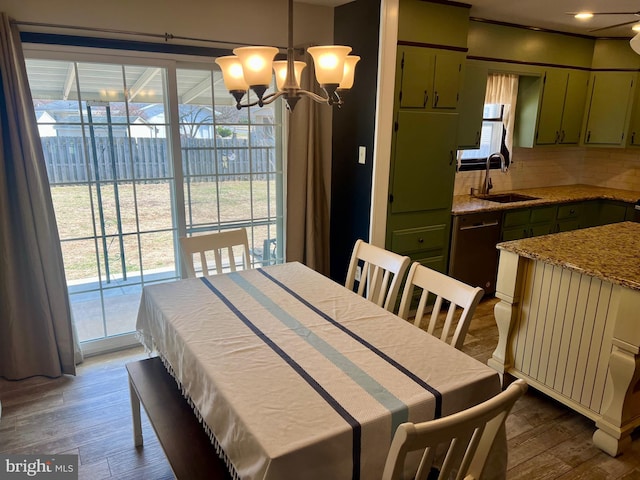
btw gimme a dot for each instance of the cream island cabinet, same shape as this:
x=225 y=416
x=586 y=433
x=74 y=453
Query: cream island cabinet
x=569 y=323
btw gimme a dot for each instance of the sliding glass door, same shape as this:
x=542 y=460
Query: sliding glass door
x=139 y=153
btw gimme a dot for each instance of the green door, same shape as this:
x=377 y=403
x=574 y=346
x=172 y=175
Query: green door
x=610 y=97
x=555 y=84
x=472 y=106
x=446 y=84
x=416 y=66
x=574 y=103
x=424 y=161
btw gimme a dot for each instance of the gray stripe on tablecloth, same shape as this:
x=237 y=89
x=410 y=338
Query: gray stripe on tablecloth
x=397 y=408
x=434 y=391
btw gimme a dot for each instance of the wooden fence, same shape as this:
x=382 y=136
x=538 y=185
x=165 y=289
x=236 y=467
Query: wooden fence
x=69 y=160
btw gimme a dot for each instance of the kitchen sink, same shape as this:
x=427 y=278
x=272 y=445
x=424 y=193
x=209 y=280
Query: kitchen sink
x=507 y=197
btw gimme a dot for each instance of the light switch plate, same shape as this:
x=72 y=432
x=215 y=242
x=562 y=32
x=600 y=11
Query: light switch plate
x=362 y=152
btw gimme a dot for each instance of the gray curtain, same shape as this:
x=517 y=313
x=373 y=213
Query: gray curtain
x=309 y=180
x=36 y=334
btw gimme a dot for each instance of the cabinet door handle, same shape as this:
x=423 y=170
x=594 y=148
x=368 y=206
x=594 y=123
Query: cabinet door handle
x=562 y=137
x=435 y=103
x=557 y=140
x=477 y=138
x=588 y=136
x=531 y=232
x=450 y=157
x=426 y=99
x=420 y=240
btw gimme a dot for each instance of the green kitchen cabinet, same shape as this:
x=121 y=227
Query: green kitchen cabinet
x=611 y=95
x=611 y=211
x=423 y=236
x=528 y=222
x=429 y=79
x=471 y=107
x=423 y=167
x=421 y=186
x=571 y=216
x=562 y=106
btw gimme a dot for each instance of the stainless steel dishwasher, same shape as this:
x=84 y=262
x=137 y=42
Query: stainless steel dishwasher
x=474 y=257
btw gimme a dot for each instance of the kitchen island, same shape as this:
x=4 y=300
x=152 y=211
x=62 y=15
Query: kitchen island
x=569 y=323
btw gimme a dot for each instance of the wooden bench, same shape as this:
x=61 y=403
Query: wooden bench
x=183 y=439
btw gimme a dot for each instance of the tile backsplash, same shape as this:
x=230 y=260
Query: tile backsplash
x=542 y=167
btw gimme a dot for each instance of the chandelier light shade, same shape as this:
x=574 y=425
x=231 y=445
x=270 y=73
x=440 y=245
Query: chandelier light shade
x=349 y=72
x=329 y=63
x=234 y=77
x=280 y=69
x=635 y=43
x=251 y=67
x=256 y=64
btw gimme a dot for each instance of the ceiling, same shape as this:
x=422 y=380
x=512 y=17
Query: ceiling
x=549 y=14
x=552 y=14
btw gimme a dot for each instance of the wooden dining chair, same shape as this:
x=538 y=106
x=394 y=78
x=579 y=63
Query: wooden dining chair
x=462 y=298
x=221 y=244
x=379 y=271
x=468 y=437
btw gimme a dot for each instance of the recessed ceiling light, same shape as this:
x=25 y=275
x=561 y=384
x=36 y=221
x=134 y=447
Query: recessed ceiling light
x=583 y=15
x=636 y=27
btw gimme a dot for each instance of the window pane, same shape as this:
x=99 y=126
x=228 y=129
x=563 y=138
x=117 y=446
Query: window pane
x=230 y=157
x=106 y=131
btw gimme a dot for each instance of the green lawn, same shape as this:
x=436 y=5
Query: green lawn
x=146 y=221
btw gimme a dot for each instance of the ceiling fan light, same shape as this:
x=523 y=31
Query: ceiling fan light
x=635 y=43
x=583 y=15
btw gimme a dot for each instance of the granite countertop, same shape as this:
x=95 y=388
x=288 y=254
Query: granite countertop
x=464 y=204
x=609 y=252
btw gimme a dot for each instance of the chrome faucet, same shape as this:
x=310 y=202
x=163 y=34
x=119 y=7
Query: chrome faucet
x=487 y=178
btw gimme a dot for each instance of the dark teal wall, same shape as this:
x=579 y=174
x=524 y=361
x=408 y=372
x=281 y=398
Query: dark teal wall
x=355 y=24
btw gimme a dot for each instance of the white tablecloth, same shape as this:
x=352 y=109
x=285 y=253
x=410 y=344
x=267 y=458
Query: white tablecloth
x=296 y=377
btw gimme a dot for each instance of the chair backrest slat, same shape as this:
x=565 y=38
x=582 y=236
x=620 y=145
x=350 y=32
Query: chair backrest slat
x=217 y=243
x=462 y=298
x=381 y=273
x=467 y=437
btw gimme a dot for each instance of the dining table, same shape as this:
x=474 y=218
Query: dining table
x=294 y=376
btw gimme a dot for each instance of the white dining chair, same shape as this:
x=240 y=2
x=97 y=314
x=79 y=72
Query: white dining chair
x=379 y=274
x=462 y=298
x=468 y=437
x=221 y=244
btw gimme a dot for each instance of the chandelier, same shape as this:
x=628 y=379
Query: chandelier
x=250 y=68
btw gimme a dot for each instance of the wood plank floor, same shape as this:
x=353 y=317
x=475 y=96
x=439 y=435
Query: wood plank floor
x=89 y=415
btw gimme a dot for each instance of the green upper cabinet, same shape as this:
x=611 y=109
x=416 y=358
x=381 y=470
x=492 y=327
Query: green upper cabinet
x=471 y=106
x=433 y=23
x=562 y=106
x=429 y=79
x=611 y=95
x=423 y=168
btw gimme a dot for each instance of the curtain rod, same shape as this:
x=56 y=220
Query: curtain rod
x=165 y=36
